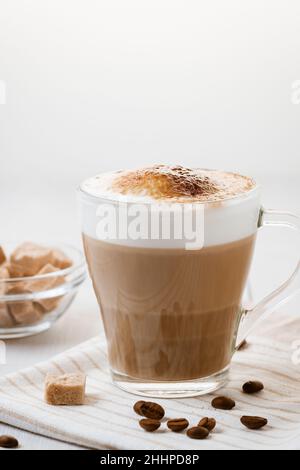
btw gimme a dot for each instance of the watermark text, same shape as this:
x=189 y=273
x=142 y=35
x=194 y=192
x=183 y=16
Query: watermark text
x=296 y=352
x=2 y=353
x=2 y=92
x=295 y=92
x=163 y=222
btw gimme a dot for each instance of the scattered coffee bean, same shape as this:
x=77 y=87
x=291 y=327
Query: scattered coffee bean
x=253 y=387
x=177 y=425
x=137 y=407
x=207 y=423
x=152 y=410
x=8 y=442
x=149 y=425
x=223 y=403
x=197 y=432
x=253 y=422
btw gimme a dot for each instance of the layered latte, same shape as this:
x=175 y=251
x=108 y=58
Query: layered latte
x=172 y=313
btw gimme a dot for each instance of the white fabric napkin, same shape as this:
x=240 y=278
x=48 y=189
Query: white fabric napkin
x=107 y=421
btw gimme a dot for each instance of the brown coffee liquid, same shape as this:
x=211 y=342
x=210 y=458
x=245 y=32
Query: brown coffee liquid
x=169 y=314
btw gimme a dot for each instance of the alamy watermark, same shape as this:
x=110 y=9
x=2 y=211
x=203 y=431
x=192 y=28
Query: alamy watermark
x=296 y=352
x=157 y=222
x=2 y=92
x=2 y=353
x=295 y=92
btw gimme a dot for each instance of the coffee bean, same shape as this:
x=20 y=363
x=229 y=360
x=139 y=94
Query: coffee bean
x=137 y=407
x=177 y=425
x=207 y=423
x=197 y=432
x=223 y=403
x=254 y=422
x=149 y=425
x=152 y=410
x=9 y=442
x=253 y=387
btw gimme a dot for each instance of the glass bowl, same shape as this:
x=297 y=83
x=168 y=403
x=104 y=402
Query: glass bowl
x=32 y=304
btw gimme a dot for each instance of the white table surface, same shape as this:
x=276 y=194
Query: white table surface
x=53 y=217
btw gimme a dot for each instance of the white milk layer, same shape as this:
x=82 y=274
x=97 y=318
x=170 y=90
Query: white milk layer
x=228 y=220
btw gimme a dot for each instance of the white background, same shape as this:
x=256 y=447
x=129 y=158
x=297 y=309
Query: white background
x=105 y=84
x=98 y=84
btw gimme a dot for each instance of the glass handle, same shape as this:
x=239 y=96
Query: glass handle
x=249 y=318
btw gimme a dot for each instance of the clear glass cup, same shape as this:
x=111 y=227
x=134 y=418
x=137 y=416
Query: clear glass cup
x=171 y=304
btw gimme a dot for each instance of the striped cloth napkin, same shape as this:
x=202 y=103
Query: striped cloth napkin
x=107 y=420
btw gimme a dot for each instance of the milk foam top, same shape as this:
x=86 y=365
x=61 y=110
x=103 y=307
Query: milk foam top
x=231 y=202
x=168 y=183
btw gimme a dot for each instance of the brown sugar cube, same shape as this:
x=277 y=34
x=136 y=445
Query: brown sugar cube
x=60 y=260
x=24 y=312
x=39 y=310
x=46 y=284
x=4 y=274
x=28 y=259
x=48 y=305
x=15 y=271
x=2 y=255
x=6 y=320
x=67 y=389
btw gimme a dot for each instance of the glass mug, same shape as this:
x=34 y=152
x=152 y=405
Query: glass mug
x=171 y=307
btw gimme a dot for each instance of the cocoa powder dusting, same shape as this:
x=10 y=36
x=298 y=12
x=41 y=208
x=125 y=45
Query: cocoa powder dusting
x=162 y=181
